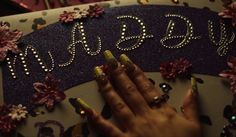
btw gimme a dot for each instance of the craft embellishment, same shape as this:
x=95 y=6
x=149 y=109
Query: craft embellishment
x=123 y=43
x=18 y=112
x=165 y=87
x=8 y=40
x=229 y=11
x=140 y=38
x=230 y=74
x=67 y=16
x=125 y=29
x=23 y=56
x=93 y=11
x=230 y=110
x=178 y=68
x=48 y=93
x=225 y=40
x=186 y=38
x=83 y=41
x=77 y=41
x=10 y=117
x=81 y=13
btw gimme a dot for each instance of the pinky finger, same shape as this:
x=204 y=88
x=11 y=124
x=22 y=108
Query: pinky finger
x=103 y=126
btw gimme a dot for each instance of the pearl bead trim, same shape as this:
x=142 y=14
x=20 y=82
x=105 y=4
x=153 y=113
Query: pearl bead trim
x=83 y=41
x=186 y=38
x=23 y=56
x=140 y=38
x=224 y=43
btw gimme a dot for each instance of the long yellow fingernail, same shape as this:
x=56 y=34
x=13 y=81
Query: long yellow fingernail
x=111 y=60
x=83 y=104
x=127 y=62
x=194 y=85
x=100 y=75
x=98 y=72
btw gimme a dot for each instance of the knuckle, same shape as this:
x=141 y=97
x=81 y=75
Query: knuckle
x=137 y=72
x=148 y=87
x=118 y=71
x=97 y=119
x=130 y=88
x=120 y=106
x=107 y=88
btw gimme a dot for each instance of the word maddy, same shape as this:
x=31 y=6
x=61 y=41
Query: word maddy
x=222 y=44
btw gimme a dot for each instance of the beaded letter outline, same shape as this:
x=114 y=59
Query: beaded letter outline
x=224 y=42
x=23 y=55
x=186 y=38
x=71 y=48
x=140 y=38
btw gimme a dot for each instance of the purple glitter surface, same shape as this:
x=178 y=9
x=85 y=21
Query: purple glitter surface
x=56 y=38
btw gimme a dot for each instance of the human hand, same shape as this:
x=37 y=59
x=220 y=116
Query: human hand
x=131 y=97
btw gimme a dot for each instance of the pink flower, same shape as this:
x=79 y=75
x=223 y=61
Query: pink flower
x=231 y=73
x=80 y=13
x=48 y=93
x=229 y=11
x=67 y=17
x=6 y=124
x=8 y=41
x=18 y=112
x=182 y=66
x=95 y=10
x=168 y=70
x=179 y=67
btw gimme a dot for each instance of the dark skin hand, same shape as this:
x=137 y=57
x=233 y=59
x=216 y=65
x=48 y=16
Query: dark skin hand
x=130 y=104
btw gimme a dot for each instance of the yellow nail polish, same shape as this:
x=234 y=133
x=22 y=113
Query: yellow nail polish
x=124 y=58
x=108 y=55
x=83 y=104
x=98 y=72
x=100 y=75
x=111 y=60
x=127 y=62
x=194 y=85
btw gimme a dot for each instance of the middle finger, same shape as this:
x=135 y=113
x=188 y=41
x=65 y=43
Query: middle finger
x=126 y=88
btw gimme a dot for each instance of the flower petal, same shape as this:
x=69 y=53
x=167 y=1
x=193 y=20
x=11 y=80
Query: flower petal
x=39 y=87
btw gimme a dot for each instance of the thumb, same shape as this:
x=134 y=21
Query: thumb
x=190 y=104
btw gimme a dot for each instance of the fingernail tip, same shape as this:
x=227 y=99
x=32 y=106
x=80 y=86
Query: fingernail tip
x=83 y=103
x=108 y=54
x=123 y=57
x=98 y=71
x=194 y=85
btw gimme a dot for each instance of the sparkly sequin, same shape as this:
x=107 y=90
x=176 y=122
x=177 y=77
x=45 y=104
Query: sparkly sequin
x=166 y=88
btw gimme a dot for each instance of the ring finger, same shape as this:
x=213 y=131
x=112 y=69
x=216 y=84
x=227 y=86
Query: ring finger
x=144 y=85
x=120 y=110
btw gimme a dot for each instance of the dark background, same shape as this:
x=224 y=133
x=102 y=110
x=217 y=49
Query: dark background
x=9 y=8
